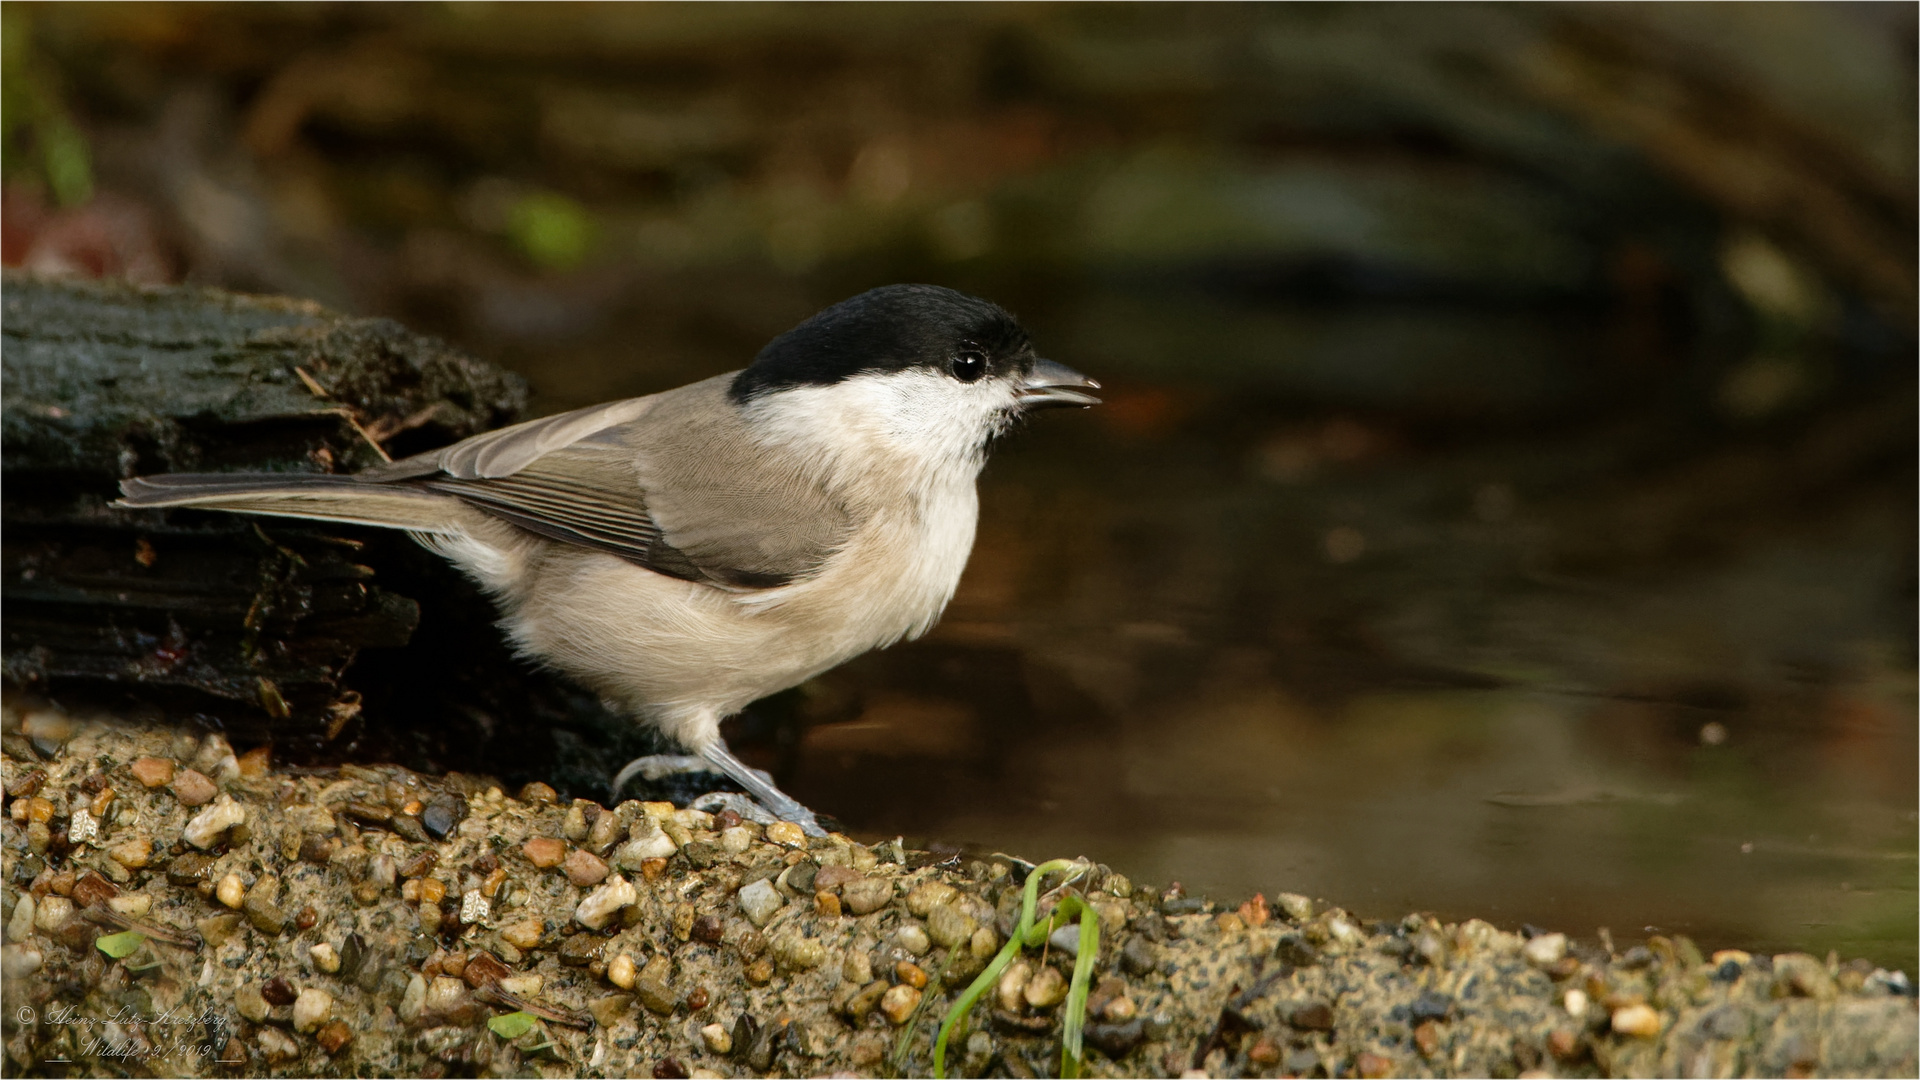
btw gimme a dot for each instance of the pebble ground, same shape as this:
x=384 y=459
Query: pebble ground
x=174 y=909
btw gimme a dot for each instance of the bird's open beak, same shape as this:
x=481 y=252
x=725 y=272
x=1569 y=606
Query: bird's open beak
x=1050 y=384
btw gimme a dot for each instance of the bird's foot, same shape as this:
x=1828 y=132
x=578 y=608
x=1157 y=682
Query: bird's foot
x=766 y=805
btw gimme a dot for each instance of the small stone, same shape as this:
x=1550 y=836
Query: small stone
x=485 y=969
x=912 y=974
x=538 y=794
x=312 y=1008
x=1372 y=1066
x=760 y=972
x=759 y=901
x=217 y=930
x=865 y=895
x=544 y=852
x=603 y=903
x=132 y=905
x=260 y=908
x=134 y=854
x=579 y=950
x=899 y=1002
x=440 y=818
x=251 y=1003
x=1797 y=974
x=621 y=972
x=585 y=869
x=865 y=1000
x=1426 y=1038
x=53 y=913
x=1639 y=1021
x=717 y=1038
x=448 y=999
x=1311 y=1016
x=524 y=934
x=1046 y=989
x=797 y=952
x=1120 y=1009
x=826 y=905
x=913 y=937
x=927 y=895
x=1575 y=1003
x=20 y=927
x=736 y=840
x=193 y=788
x=654 y=986
x=334 y=1035
x=82 y=826
x=1545 y=950
x=324 y=956
x=1011 y=990
x=707 y=928
x=231 y=891
x=474 y=907
x=1297 y=908
x=152 y=772
x=608 y=1010
x=831 y=878
x=1563 y=1044
x=206 y=828
x=1264 y=1052
x=857 y=967
x=278 y=991
x=636 y=854
x=277 y=1046
x=525 y=986
x=947 y=925
x=91 y=888
x=985 y=943
x=787 y=834
x=414 y=999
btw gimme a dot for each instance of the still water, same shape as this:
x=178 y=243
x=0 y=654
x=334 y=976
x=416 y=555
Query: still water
x=1407 y=610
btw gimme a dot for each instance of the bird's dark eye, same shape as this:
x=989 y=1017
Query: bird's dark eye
x=968 y=365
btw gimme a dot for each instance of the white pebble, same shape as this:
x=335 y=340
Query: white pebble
x=82 y=827
x=132 y=905
x=760 y=900
x=19 y=961
x=736 y=839
x=311 y=1009
x=204 y=830
x=522 y=985
x=231 y=891
x=474 y=907
x=603 y=903
x=718 y=1039
x=20 y=927
x=414 y=999
x=1545 y=950
x=621 y=972
x=53 y=913
x=325 y=957
x=1576 y=1003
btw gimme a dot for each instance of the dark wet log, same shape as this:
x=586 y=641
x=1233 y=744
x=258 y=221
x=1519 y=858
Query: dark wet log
x=250 y=622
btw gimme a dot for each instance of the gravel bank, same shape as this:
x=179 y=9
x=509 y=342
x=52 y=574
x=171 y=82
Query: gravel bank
x=172 y=908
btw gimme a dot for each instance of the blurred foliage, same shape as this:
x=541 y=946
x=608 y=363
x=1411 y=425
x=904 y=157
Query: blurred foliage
x=37 y=131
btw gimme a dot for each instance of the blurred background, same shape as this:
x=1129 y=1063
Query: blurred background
x=1505 y=502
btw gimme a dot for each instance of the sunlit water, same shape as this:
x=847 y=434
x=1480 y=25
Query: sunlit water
x=1307 y=607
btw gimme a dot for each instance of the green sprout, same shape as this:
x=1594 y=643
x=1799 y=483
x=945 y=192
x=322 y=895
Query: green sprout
x=511 y=1025
x=121 y=945
x=1027 y=935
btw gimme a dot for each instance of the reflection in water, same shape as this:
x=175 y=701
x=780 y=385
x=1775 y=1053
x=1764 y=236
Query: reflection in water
x=1207 y=639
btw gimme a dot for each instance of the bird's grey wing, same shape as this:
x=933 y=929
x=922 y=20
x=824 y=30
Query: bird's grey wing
x=682 y=488
x=494 y=454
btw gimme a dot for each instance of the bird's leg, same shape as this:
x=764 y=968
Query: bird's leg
x=760 y=786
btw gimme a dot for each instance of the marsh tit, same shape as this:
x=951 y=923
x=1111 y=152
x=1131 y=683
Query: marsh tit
x=686 y=553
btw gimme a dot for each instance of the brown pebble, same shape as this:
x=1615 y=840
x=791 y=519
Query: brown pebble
x=152 y=772
x=760 y=972
x=826 y=905
x=708 y=928
x=1312 y=1016
x=908 y=972
x=545 y=852
x=1563 y=1044
x=1372 y=1066
x=333 y=1036
x=698 y=999
x=539 y=794
x=585 y=869
x=1265 y=1051
x=725 y=819
x=454 y=964
x=277 y=992
x=193 y=788
x=866 y=895
x=306 y=917
x=651 y=869
x=1426 y=1038
x=491 y=886
x=898 y=1003
x=432 y=890
x=669 y=1069
x=483 y=968
x=91 y=888
x=420 y=864
x=101 y=801
x=831 y=878
x=256 y=762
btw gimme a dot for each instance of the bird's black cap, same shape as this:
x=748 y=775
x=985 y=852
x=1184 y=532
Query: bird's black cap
x=892 y=328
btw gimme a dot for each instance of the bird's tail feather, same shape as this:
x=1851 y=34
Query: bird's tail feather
x=315 y=498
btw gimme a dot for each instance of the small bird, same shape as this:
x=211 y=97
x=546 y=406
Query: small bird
x=686 y=553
